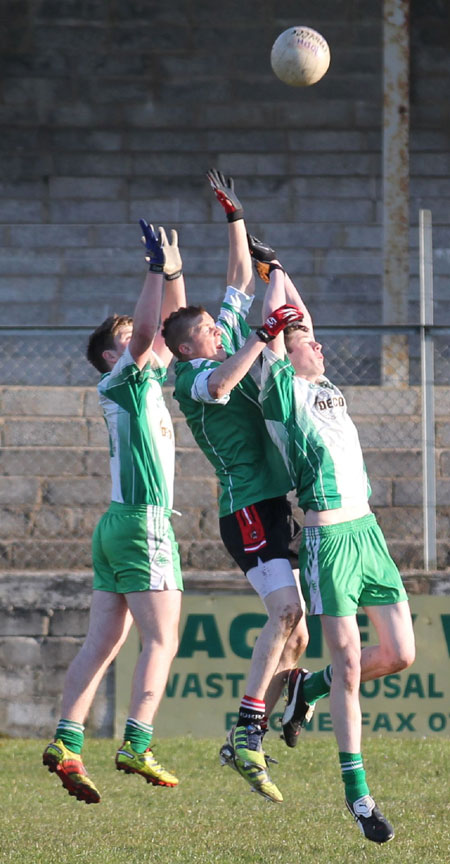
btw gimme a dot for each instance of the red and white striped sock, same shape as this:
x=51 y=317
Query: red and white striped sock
x=251 y=711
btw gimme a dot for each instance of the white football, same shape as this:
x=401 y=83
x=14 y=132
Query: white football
x=300 y=56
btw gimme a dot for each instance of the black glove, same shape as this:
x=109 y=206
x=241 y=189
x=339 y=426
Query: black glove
x=224 y=191
x=259 y=250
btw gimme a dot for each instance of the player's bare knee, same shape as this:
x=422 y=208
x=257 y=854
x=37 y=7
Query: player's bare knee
x=174 y=648
x=409 y=655
x=300 y=636
x=402 y=658
x=171 y=646
x=290 y=616
x=347 y=670
x=302 y=642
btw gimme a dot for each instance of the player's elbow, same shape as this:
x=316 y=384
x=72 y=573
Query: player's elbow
x=217 y=391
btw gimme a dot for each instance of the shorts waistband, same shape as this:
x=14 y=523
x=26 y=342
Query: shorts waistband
x=151 y=509
x=350 y=527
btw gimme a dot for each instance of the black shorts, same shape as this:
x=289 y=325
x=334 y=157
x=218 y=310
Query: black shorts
x=263 y=530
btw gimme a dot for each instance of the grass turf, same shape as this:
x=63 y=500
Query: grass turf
x=213 y=817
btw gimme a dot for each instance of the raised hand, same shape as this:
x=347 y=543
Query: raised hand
x=278 y=320
x=152 y=243
x=262 y=255
x=173 y=265
x=224 y=192
x=259 y=250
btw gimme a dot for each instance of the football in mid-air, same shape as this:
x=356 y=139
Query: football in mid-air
x=300 y=56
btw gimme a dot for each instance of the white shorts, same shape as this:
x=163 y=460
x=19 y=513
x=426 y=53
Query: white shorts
x=272 y=575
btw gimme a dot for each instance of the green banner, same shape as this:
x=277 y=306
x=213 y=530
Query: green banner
x=217 y=634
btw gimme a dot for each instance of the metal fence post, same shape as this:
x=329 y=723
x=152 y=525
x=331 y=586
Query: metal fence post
x=427 y=383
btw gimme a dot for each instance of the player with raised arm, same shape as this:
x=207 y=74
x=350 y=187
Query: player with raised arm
x=217 y=387
x=344 y=562
x=137 y=574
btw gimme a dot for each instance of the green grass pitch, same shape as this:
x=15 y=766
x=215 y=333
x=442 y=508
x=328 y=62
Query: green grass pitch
x=213 y=817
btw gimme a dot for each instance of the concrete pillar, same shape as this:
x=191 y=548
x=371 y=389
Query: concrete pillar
x=395 y=186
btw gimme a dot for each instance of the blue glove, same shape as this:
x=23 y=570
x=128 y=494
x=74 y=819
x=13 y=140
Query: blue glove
x=152 y=243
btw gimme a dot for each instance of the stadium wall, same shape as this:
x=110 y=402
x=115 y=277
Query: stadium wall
x=55 y=483
x=112 y=111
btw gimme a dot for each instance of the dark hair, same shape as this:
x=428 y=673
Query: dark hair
x=102 y=339
x=176 y=328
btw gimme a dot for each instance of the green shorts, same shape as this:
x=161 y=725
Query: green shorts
x=134 y=549
x=347 y=565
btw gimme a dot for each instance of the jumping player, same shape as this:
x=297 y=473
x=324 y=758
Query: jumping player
x=344 y=562
x=136 y=564
x=217 y=389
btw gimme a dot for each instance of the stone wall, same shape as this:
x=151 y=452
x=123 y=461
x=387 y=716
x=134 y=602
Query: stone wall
x=55 y=484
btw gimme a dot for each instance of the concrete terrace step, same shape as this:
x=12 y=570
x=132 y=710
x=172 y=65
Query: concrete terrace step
x=45 y=591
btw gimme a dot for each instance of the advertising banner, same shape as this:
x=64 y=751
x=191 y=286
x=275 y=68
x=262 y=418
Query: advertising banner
x=217 y=635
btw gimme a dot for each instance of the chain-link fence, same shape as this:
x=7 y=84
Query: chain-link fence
x=54 y=478
x=355 y=354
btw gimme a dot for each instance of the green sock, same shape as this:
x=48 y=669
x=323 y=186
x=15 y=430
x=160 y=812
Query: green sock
x=71 y=734
x=354 y=776
x=138 y=734
x=317 y=684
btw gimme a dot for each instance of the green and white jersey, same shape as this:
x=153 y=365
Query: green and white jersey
x=141 y=439
x=313 y=431
x=231 y=430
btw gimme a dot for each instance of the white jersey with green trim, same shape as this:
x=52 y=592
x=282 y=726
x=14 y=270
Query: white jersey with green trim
x=230 y=430
x=141 y=439
x=318 y=440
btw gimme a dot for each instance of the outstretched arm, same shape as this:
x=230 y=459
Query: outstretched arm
x=275 y=295
x=293 y=296
x=263 y=255
x=146 y=315
x=232 y=370
x=240 y=272
x=146 y=319
x=174 y=294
